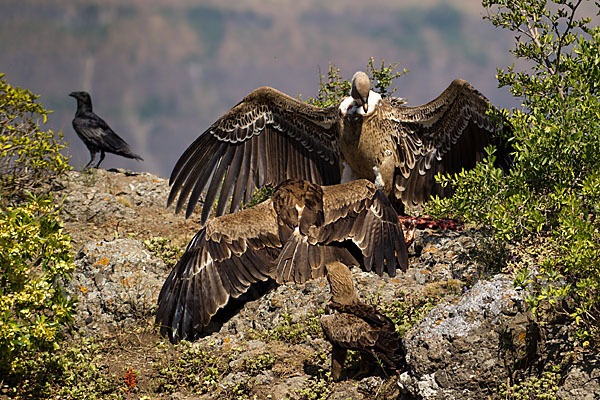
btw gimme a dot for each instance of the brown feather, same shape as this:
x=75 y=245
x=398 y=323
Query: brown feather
x=283 y=138
x=290 y=238
x=352 y=325
x=261 y=119
x=452 y=130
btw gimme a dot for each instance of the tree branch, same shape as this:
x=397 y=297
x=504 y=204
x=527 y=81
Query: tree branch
x=534 y=35
x=561 y=40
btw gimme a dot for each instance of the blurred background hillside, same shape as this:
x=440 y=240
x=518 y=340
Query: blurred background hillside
x=161 y=71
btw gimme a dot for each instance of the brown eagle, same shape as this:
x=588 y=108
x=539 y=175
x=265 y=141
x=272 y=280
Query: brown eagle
x=269 y=137
x=350 y=324
x=289 y=238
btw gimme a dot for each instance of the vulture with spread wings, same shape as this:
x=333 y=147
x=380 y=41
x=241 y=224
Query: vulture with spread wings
x=289 y=238
x=269 y=137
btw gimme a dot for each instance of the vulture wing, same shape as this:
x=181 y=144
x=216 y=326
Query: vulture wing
x=228 y=255
x=445 y=135
x=359 y=212
x=354 y=211
x=266 y=138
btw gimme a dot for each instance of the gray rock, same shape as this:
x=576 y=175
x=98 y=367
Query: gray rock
x=98 y=194
x=463 y=349
x=456 y=351
x=289 y=388
x=370 y=385
x=90 y=204
x=348 y=390
x=582 y=381
x=117 y=284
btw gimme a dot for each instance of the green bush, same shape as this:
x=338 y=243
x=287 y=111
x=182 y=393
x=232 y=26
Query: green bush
x=552 y=193
x=164 y=249
x=407 y=311
x=292 y=330
x=539 y=388
x=75 y=372
x=199 y=369
x=333 y=88
x=34 y=258
x=28 y=155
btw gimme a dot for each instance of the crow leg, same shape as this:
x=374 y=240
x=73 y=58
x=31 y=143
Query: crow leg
x=102 y=154
x=93 y=154
x=338 y=356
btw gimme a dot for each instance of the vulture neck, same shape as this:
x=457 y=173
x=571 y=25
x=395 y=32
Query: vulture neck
x=350 y=106
x=341 y=285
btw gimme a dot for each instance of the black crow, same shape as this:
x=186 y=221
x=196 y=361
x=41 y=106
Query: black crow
x=95 y=133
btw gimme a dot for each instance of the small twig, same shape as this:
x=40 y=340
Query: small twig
x=561 y=41
x=534 y=35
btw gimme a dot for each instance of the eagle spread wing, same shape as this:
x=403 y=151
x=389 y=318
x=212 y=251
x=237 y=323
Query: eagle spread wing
x=231 y=252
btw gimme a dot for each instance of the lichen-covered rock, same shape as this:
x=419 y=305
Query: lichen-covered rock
x=117 y=284
x=465 y=348
x=131 y=189
x=99 y=205
x=579 y=372
x=443 y=255
x=456 y=352
x=468 y=349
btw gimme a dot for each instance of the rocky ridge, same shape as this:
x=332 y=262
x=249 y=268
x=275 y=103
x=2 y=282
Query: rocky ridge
x=476 y=338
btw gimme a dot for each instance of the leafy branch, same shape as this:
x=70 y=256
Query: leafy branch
x=547 y=34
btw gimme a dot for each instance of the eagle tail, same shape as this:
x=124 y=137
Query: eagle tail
x=301 y=261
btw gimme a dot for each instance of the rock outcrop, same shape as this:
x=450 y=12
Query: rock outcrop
x=479 y=337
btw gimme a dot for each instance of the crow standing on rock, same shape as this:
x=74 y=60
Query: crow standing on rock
x=95 y=133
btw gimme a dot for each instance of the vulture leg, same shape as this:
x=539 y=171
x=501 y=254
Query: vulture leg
x=338 y=356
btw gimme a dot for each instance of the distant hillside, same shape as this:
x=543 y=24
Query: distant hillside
x=160 y=72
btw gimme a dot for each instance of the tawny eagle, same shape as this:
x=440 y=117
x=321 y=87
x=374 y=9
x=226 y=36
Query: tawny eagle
x=289 y=238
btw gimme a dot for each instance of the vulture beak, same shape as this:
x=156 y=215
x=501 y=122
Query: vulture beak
x=365 y=103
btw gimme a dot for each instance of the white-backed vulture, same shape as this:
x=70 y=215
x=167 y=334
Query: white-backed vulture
x=269 y=137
